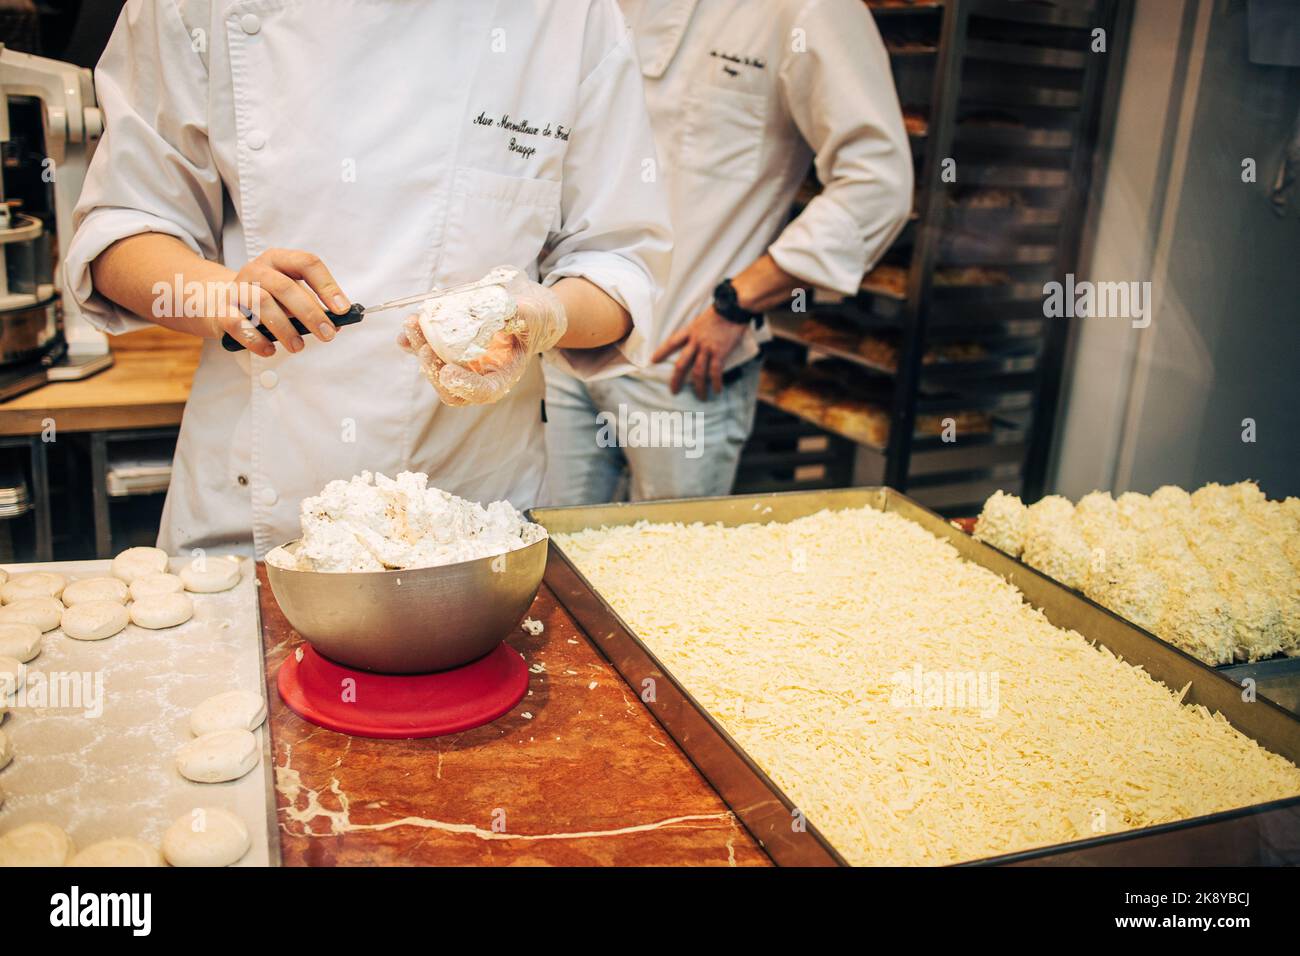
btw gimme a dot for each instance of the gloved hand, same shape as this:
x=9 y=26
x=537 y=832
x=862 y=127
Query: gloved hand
x=538 y=324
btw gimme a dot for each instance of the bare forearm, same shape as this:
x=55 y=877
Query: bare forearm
x=764 y=285
x=133 y=272
x=595 y=319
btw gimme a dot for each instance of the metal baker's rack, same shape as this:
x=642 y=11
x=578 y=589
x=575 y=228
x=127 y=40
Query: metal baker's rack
x=1011 y=100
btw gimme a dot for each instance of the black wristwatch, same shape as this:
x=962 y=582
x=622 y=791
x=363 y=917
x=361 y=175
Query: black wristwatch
x=727 y=304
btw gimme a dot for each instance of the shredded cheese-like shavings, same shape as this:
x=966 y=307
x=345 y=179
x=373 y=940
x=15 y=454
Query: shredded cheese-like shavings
x=802 y=638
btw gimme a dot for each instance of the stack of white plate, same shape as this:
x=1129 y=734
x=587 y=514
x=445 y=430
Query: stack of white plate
x=14 y=497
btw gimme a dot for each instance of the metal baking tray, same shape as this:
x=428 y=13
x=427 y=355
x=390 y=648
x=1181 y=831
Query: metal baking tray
x=1267 y=833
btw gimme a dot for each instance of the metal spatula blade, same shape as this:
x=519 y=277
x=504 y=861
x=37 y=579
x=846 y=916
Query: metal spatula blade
x=357 y=311
x=434 y=294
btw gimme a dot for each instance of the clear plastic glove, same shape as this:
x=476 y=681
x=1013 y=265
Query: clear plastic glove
x=538 y=324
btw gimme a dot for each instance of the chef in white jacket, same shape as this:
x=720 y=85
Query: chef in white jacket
x=357 y=151
x=744 y=97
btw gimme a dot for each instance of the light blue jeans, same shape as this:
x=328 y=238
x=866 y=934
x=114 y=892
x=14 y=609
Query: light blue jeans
x=631 y=438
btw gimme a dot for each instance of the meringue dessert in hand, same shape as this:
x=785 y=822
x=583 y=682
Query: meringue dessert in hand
x=459 y=327
x=376 y=523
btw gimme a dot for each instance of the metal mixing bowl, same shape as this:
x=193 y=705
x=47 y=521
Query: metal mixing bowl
x=414 y=621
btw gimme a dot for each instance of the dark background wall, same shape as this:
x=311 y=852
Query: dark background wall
x=71 y=30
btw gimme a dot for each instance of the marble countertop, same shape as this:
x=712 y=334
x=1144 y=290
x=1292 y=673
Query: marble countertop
x=578 y=773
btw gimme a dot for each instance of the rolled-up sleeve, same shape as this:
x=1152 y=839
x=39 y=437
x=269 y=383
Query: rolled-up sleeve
x=615 y=228
x=840 y=93
x=153 y=170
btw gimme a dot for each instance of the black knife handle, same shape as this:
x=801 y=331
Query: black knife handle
x=352 y=316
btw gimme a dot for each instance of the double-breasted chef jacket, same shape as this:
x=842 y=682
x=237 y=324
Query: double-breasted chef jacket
x=408 y=144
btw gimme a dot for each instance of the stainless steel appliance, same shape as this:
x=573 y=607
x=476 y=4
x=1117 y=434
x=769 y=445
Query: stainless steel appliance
x=49 y=125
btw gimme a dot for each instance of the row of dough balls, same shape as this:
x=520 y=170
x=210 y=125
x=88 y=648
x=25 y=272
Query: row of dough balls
x=92 y=609
x=224 y=745
x=206 y=836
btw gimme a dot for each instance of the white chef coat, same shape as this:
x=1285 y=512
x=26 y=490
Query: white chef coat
x=371 y=132
x=743 y=97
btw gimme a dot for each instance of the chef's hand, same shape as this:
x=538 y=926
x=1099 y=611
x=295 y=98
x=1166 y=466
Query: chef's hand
x=272 y=288
x=705 y=345
x=410 y=339
x=538 y=324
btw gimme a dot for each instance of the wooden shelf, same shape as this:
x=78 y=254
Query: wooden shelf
x=147 y=387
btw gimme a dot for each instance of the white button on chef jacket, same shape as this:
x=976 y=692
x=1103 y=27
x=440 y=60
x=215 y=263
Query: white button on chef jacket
x=743 y=96
x=409 y=145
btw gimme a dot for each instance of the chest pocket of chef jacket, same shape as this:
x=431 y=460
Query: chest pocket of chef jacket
x=722 y=129
x=496 y=220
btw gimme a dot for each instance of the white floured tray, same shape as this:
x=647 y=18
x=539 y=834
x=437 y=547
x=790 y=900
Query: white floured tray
x=114 y=774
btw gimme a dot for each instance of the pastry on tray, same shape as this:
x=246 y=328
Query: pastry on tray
x=816 y=331
x=915 y=123
x=992 y=198
x=966 y=423
x=882 y=351
x=888 y=279
x=808 y=398
x=860 y=420
x=773 y=377
x=970 y=276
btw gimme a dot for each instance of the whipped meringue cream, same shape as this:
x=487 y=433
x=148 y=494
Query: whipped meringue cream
x=375 y=523
x=459 y=327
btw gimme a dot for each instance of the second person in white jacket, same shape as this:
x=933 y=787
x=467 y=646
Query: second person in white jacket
x=744 y=97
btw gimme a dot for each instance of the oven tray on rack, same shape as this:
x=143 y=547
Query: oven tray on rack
x=1267 y=833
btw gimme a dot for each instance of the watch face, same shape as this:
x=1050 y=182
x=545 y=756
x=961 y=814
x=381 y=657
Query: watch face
x=725 y=296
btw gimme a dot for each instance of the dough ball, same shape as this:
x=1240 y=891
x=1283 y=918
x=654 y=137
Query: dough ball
x=42 y=612
x=152 y=585
x=34 y=584
x=233 y=710
x=36 y=844
x=4 y=575
x=137 y=562
x=94 y=620
x=163 y=610
x=12 y=675
x=95 y=589
x=218 y=757
x=6 y=747
x=209 y=575
x=118 y=851
x=207 y=836
x=22 y=641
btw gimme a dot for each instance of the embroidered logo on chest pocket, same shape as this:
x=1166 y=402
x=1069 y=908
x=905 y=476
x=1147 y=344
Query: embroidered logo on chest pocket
x=725 y=117
x=521 y=136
